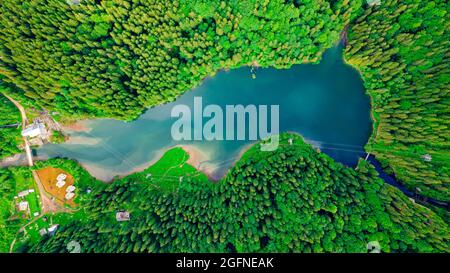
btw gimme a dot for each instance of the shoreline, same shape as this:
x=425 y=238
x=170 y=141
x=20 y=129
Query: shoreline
x=77 y=126
x=196 y=159
x=102 y=175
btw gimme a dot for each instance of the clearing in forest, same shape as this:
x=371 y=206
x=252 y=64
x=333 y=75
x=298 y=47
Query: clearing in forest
x=49 y=179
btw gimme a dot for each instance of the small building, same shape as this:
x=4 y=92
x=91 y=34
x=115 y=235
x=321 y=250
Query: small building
x=23 y=206
x=61 y=177
x=122 y=216
x=51 y=230
x=36 y=214
x=35 y=130
x=73 y=2
x=70 y=188
x=69 y=195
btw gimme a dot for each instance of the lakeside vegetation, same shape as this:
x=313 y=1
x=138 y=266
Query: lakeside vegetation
x=292 y=200
x=402 y=51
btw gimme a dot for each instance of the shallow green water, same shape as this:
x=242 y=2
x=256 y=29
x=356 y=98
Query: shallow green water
x=326 y=103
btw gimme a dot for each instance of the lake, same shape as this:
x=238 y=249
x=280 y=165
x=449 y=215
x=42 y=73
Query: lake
x=326 y=103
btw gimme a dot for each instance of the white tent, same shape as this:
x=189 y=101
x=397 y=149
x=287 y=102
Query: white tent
x=70 y=188
x=61 y=177
x=60 y=184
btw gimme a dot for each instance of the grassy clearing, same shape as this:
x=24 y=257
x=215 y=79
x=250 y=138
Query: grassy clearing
x=168 y=172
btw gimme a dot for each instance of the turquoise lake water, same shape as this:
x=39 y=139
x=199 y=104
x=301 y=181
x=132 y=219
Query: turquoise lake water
x=325 y=103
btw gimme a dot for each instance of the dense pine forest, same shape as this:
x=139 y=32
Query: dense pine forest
x=292 y=200
x=402 y=50
x=7 y=186
x=115 y=58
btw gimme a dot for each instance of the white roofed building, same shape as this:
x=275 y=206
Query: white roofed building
x=122 y=216
x=60 y=184
x=51 y=230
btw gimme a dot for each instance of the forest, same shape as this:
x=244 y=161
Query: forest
x=10 y=126
x=116 y=58
x=292 y=200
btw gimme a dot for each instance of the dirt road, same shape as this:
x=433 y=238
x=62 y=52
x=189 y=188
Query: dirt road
x=24 y=125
